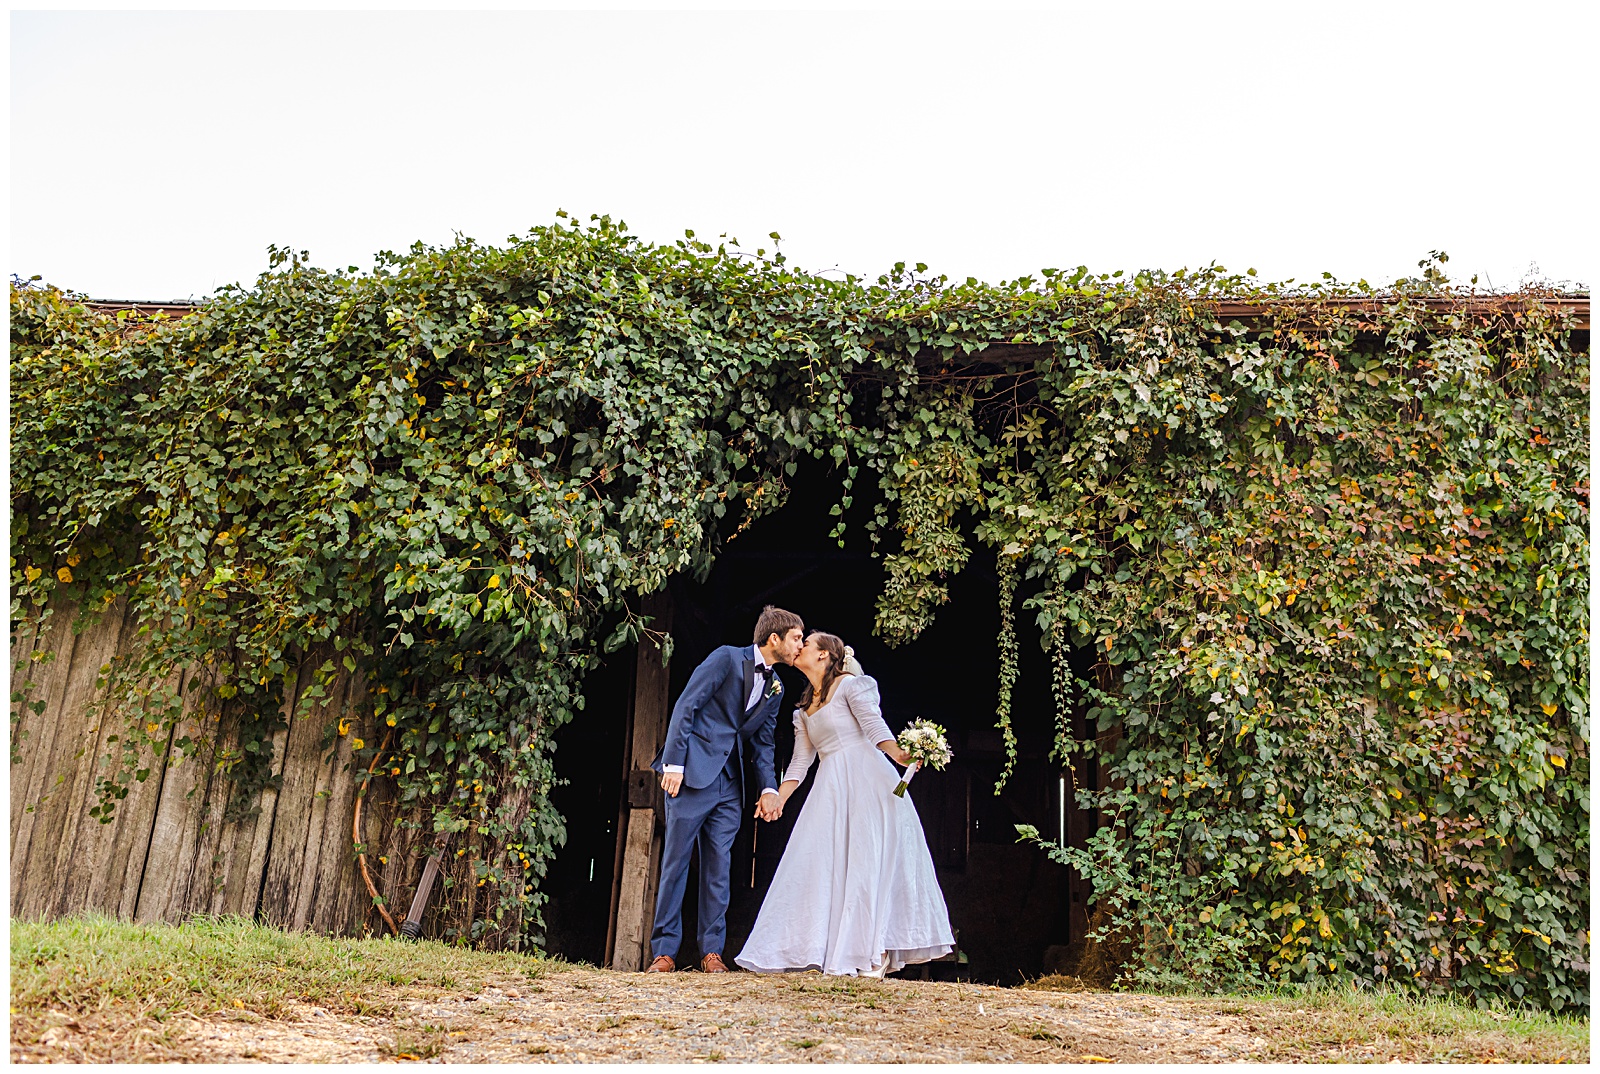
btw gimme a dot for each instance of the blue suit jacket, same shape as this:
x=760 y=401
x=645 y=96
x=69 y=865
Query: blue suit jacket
x=710 y=722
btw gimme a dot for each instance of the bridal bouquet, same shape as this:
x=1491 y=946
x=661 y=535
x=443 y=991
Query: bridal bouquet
x=924 y=740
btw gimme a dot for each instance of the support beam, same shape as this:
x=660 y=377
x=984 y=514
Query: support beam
x=635 y=909
x=640 y=822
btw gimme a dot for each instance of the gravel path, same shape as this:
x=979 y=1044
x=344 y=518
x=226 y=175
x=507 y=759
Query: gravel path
x=584 y=1015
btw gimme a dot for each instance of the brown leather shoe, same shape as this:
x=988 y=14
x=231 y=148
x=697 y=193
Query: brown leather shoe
x=662 y=964
x=712 y=963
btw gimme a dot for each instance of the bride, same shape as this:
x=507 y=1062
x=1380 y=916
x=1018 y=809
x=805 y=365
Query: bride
x=855 y=893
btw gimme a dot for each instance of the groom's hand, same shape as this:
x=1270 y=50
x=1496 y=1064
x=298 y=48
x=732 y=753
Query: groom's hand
x=768 y=808
x=672 y=782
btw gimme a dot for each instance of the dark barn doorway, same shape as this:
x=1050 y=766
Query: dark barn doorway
x=588 y=761
x=1015 y=912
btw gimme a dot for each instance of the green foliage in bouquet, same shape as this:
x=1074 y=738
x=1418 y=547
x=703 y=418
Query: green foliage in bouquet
x=1332 y=560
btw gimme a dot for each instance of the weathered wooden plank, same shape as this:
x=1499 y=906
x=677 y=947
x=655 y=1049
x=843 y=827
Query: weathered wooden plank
x=180 y=837
x=223 y=888
x=244 y=886
x=633 y=939
x=28 y=676
x=641 y=856
x=388 y=833
x=650 y=687
x=287 y=837
x=335 y=884
x=24 y=632
x=38 y=731
x=106 y=859
x=115 y=888
x=302 y=806
x=68 y=768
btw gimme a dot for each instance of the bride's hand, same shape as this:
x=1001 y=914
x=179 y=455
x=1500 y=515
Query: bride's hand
x=894 y=752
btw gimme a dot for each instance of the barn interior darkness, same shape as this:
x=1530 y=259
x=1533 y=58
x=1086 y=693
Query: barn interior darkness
x=1016 y=914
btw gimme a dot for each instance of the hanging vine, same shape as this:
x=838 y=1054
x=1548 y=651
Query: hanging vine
x=1006 y=590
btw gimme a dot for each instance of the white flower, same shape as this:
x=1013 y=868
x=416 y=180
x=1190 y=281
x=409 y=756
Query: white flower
x=925 y=742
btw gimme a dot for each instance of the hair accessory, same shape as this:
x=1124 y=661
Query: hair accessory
x=848 y=652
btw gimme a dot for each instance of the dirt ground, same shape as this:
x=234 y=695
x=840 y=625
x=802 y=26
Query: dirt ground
x=585 y=1015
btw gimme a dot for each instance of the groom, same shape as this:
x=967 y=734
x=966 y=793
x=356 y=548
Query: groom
x=730 y=708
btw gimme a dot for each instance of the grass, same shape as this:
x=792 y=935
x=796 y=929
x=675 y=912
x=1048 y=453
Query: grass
x=422 y=1041
x=91 y=966
x=1396 y=1026
x=1386 y=1025
x=1036 y=1033
x=863 y=994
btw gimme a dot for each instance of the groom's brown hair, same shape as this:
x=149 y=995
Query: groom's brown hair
x=776 y=621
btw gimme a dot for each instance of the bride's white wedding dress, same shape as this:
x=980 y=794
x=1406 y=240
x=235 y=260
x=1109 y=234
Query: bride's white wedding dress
x=855 y=893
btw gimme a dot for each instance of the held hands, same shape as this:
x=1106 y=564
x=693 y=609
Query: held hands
x=672 y=783
x=769 y=808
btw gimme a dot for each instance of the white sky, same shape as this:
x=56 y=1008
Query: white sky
x=156 y=156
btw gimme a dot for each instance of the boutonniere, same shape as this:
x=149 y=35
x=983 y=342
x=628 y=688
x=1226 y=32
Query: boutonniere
x=774 y=685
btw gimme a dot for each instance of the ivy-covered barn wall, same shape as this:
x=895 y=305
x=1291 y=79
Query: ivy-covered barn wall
x=1332 y=549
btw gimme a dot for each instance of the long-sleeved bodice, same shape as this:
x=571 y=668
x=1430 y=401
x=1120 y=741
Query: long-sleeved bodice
x=852 y=719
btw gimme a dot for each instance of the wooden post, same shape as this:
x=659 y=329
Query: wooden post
x=639 y=827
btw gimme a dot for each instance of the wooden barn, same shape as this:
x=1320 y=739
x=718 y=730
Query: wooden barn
x=179 y=844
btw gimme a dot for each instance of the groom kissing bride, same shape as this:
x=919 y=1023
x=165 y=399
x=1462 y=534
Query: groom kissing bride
x=855 y=893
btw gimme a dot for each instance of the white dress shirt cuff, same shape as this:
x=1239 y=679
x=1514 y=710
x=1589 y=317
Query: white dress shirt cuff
x=669 y=769
x=769 y=790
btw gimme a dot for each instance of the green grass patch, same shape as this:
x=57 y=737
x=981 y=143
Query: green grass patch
x=1388 y=1025
x=81 y=965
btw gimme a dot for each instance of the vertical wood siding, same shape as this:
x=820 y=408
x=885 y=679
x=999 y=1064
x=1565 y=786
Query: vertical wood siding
x=169 y=850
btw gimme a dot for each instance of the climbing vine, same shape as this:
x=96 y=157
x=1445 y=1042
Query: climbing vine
x=1007 y=591
x=1330 y=552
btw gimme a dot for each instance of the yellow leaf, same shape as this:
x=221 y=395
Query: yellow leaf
x=1549 y=710
x=356 y=744
x=64 y=574
x=344 y=728
x=1559 y=762
x=33 y=573
x=494 y=581
x=73 y=560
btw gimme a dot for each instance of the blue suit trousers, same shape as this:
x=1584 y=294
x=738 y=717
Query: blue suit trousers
x=710 y=816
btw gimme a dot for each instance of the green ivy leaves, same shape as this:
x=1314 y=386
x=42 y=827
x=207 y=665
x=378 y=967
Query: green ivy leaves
x=1331 y=559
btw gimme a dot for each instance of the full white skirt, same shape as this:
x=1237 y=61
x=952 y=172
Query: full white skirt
x=855 y=892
